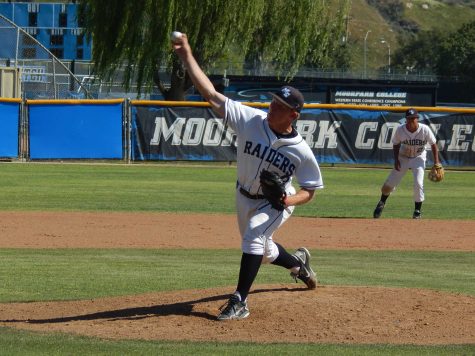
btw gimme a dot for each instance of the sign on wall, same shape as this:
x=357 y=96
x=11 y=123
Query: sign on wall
x=335 y=136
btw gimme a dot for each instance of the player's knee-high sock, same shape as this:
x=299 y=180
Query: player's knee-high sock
x=383 y=198
x=250 y=265
x=285 y=259
x=418 y=205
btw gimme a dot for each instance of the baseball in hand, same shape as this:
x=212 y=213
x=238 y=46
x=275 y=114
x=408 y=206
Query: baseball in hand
x=175 y=36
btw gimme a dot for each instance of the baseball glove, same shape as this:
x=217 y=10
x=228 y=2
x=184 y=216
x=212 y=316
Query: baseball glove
x=273 y=189
x=436 y=173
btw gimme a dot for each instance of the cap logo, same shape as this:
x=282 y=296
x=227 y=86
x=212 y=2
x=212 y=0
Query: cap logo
x=286 y=92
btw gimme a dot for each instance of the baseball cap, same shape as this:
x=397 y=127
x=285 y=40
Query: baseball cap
x=412 y=113
x=290 y=97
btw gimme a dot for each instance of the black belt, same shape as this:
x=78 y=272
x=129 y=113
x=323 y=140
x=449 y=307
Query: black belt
x=249 y=195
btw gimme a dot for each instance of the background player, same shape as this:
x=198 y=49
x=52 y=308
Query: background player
x=266 y=141
x=409 y=147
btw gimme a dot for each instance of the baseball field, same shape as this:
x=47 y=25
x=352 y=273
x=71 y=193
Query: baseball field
x=137 y=259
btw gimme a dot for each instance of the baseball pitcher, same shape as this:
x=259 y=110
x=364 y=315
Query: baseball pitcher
x=270 y=153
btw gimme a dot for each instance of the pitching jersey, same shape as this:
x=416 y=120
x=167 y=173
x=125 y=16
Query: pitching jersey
x=259 y=148
x=413 y=144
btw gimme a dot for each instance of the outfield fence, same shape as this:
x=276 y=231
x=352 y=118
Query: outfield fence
x=137 y=131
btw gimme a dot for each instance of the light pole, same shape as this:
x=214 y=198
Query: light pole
x=365 y=38
x=389 y=55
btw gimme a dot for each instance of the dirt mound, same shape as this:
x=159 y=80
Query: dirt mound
x=279 y=313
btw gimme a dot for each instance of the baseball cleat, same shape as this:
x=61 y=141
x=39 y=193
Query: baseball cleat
x=234 y=309
x=305 y=274
x=417 y=214
x=379 y=210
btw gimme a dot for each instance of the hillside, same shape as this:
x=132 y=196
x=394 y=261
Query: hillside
x=394 y=20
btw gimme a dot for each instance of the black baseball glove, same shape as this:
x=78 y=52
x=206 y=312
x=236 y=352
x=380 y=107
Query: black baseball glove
x=273 y=188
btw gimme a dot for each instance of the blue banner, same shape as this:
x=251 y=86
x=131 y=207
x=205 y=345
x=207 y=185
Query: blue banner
x=9 y=119
x=77 y=131
x=335 y=136
x=180 y=133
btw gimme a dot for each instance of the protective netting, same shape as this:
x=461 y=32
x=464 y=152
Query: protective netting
x=43 y=76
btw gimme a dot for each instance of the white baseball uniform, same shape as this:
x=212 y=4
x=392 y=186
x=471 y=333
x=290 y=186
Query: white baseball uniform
x=260 y=148
x=412 y=155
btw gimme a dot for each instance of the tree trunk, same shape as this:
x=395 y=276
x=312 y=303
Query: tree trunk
x=179 y=83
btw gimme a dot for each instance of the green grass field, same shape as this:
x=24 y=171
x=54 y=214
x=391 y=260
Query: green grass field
x=68 y=274
x=348 y=192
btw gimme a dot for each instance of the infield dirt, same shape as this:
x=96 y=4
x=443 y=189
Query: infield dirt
x=334 y=314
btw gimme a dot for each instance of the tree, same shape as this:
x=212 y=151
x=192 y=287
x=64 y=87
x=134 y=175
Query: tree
x=421 y=53
x=284 y=34
x=444 y=54
x=457 y=53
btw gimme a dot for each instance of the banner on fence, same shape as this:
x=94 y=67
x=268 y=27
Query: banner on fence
x=180 y=133
x=335 y=136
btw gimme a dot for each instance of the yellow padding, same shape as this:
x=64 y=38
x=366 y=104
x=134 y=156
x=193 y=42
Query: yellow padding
x=312 y=106
x=74 y=101
x=10 y=100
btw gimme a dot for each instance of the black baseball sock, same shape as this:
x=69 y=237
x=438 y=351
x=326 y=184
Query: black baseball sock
x=418 y=205
x=250 y=265
x=383 y=198
x=285 y=259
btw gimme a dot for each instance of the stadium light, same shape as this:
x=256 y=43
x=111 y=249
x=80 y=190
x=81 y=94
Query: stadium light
x=365 y=38
x=389 y=55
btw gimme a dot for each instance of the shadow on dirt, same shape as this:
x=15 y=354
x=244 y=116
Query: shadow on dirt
x=182 y=308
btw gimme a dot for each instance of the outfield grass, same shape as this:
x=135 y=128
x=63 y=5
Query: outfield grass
x=27 y=343
x=112 y=272
x=66 y=274
x=348 y=192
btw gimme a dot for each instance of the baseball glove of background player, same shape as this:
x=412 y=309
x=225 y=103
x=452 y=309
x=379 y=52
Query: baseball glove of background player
x=436 y=173
x=273 y=188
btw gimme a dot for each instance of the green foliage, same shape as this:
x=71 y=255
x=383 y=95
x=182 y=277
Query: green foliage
x=446 y=54
x=285 y=33
x=458 y=53
x=399 y=25
x=421 y=53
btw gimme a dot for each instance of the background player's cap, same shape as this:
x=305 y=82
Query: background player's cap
x=412 y=113
x=290 y=97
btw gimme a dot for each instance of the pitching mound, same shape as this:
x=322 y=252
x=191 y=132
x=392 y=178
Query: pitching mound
x=279 y=313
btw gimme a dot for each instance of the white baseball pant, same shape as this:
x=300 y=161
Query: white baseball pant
x=417 y=166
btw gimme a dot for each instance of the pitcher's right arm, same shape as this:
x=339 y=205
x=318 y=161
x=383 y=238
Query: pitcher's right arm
x=198 y=77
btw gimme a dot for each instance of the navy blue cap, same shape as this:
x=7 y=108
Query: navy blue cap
x=290 y=96
x=412 y=113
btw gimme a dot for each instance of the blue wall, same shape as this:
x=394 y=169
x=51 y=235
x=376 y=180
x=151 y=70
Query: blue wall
x=9 y=119
x=82 y=131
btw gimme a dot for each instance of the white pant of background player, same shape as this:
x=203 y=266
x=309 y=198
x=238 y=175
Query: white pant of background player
x=417 y=166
